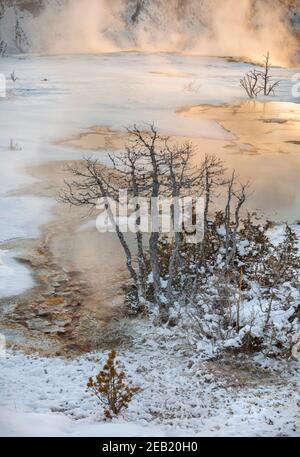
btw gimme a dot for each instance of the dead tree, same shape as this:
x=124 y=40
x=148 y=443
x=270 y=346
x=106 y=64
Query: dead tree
x=250 y=82
x=268 y=87
x=232 y=227
x=13 y=77
x=92 y=182
x=132 y=178
x=212 y=177
x=182 y=179
x=150 y=168
x=151 y=160
x=256 y=82
x=227 y=214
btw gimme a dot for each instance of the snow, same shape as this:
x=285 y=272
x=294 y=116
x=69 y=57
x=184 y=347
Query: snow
x=179 y=397
x=14 y=277
x=53 y=425
x=276 y=234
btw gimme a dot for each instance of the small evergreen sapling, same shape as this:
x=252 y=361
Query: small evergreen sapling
x=111 y=388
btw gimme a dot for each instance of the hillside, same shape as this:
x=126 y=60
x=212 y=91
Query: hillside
x=207 y=27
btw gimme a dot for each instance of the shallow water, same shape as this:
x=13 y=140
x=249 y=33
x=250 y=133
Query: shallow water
x=60 y=97
x=265 y=152
x=262 y=146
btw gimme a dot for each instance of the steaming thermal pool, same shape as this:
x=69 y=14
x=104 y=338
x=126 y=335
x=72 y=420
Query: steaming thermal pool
x=59 y=97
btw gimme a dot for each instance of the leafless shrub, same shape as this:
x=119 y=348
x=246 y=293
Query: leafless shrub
x=250 y=82
x=256 y=82
x=14 y=146
x=13 y=77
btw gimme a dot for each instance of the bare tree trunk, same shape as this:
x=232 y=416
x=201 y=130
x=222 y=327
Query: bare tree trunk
x=154 y=237
x=241 y=198
x=122 y=240
x=266 y=74
x=175 y=252
x=139 y=236
x=228 y=218
x=238 y=312
x=154 y=258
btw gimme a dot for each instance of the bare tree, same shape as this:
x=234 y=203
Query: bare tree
x=212 y=176
x=227 y=214
x=268 y=87
x=250 y=82
x=239 y=194
x=13 y=77
x=14 y=146
x=152 y=167
x=149 y=167
x=92 y=182
x=131 y=177
x=256 y=82
x=182 y=179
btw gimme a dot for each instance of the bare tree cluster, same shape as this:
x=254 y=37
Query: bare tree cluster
x=149 y=167
x=152 y=167
x=256 y=82
x=250 y=82
x=213 y=276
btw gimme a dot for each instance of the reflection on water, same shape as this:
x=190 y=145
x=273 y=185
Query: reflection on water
x=265 y=150
x=263 y=147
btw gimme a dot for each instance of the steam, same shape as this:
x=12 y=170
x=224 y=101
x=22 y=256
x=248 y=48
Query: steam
x=248 y=28
x=76 y=26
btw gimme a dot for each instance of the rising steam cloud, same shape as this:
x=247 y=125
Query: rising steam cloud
x=245 y=28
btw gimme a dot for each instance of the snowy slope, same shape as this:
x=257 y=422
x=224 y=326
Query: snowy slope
x=180 y=395
x=208 y=27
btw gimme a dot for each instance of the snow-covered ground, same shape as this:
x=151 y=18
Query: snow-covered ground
x=180 y=396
